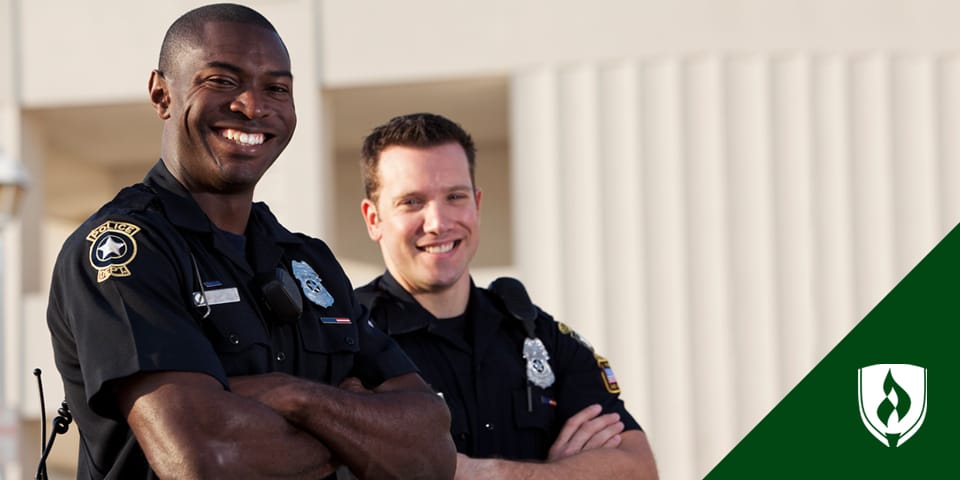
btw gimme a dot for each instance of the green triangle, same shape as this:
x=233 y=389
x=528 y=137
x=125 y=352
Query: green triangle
x=816 y=431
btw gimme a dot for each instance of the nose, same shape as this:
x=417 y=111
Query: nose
x=249 y=103
x=434 y=218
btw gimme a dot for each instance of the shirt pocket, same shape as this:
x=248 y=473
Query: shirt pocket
x=535 y=411
x=238 y=336
x=329 y=344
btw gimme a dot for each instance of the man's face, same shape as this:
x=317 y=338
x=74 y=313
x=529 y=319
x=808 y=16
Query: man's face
x=427 y=216
x=229 y=106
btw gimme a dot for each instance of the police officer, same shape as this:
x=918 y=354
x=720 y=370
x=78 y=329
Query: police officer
x=528 y=397
x=199 y=338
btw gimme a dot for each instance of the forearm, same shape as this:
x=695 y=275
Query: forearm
x=632 y=459
x=189 y=427
x=388 y=433
x=259 y=449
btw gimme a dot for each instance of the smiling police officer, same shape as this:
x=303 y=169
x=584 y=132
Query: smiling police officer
x=529 y=398
x=199 y=338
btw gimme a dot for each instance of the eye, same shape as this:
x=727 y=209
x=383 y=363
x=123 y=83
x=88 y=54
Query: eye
x=410 y=202
x=220 y=82
x=279 y=89
x=456 y=196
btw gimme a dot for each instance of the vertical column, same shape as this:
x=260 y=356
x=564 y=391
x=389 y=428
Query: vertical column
x=834 y=311
x=10 y=292
x=948 y=142
x=914 y=168
x=871 y=178
x=752 y=247
x=793 y=218
x=708 y=263
x=299 y=187
x=665 y=213
x=581 y=225
x=536 y=187
x=621 y=211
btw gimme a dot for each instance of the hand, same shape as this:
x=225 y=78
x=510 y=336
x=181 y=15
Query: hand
x=353 y=384
x=587 y=430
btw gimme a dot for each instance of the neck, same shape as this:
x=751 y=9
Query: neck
x=228 y=212
x=447 y=303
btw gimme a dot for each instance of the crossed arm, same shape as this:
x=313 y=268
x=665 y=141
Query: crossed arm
x=190 y=427
x=400 y=429
x=589 y=446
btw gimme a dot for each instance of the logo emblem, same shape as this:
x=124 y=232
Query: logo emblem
x=112 y=249
x=893 y=401
x=311 y=284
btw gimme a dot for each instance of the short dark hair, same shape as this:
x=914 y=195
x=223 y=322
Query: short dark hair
x=419 y=130
x=185 y=31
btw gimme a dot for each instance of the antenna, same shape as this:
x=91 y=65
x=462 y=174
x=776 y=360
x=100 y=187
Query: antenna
x=61 y=423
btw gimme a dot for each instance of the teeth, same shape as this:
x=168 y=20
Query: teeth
x=446 y=247
x=242 y=138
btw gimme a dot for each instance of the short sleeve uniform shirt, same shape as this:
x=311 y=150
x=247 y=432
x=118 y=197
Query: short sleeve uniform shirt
x=476 y=363
x=148 y=284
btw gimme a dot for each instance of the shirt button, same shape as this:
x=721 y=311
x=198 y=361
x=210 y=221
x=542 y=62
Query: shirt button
x=348 y=340
x=281 y=356
x=463 y=436
x=234 y=339
x=488 y=426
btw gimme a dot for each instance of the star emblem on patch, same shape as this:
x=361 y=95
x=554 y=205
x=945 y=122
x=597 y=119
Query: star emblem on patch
x=112 y=248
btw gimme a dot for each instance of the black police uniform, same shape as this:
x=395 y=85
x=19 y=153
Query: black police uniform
x=148 y=284
x=476 y=362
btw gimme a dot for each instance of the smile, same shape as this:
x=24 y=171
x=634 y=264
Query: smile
x=441 y=248
x=242 y=138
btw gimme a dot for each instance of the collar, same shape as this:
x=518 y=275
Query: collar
x=411 y=315
x=483 y=317
x=264 y=232
x=179 y=207
x=184 y=212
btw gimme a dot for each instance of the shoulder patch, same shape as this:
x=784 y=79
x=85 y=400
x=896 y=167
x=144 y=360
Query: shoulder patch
x=112 y=248
x=564 y=329
x=606 y=372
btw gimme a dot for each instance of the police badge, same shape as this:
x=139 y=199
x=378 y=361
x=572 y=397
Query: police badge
x=538 y=367
x=311 y=284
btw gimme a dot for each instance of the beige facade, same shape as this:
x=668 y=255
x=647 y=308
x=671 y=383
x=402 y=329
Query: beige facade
x=713 y=192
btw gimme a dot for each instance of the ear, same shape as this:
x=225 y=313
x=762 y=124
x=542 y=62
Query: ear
x=159 y=94
x=371 y=219
x=477 y=195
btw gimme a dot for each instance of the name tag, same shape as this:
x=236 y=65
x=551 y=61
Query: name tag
x=216 y=297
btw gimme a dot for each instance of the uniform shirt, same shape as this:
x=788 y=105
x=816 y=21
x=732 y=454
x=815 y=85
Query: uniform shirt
x=479 y=368
x=148 y=284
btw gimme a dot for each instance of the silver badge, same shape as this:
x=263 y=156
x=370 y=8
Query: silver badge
x=538 y=369
x=310 y=283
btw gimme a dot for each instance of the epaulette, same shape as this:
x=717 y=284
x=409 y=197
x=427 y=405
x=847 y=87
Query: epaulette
x=371 y=296
x=136 y=197
x=368 y=298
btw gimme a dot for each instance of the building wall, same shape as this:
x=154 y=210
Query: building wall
x=713 y=192
x=721 y=221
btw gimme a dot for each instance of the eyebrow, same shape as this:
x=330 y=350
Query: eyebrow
x=235 y=69
x=421 y=193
